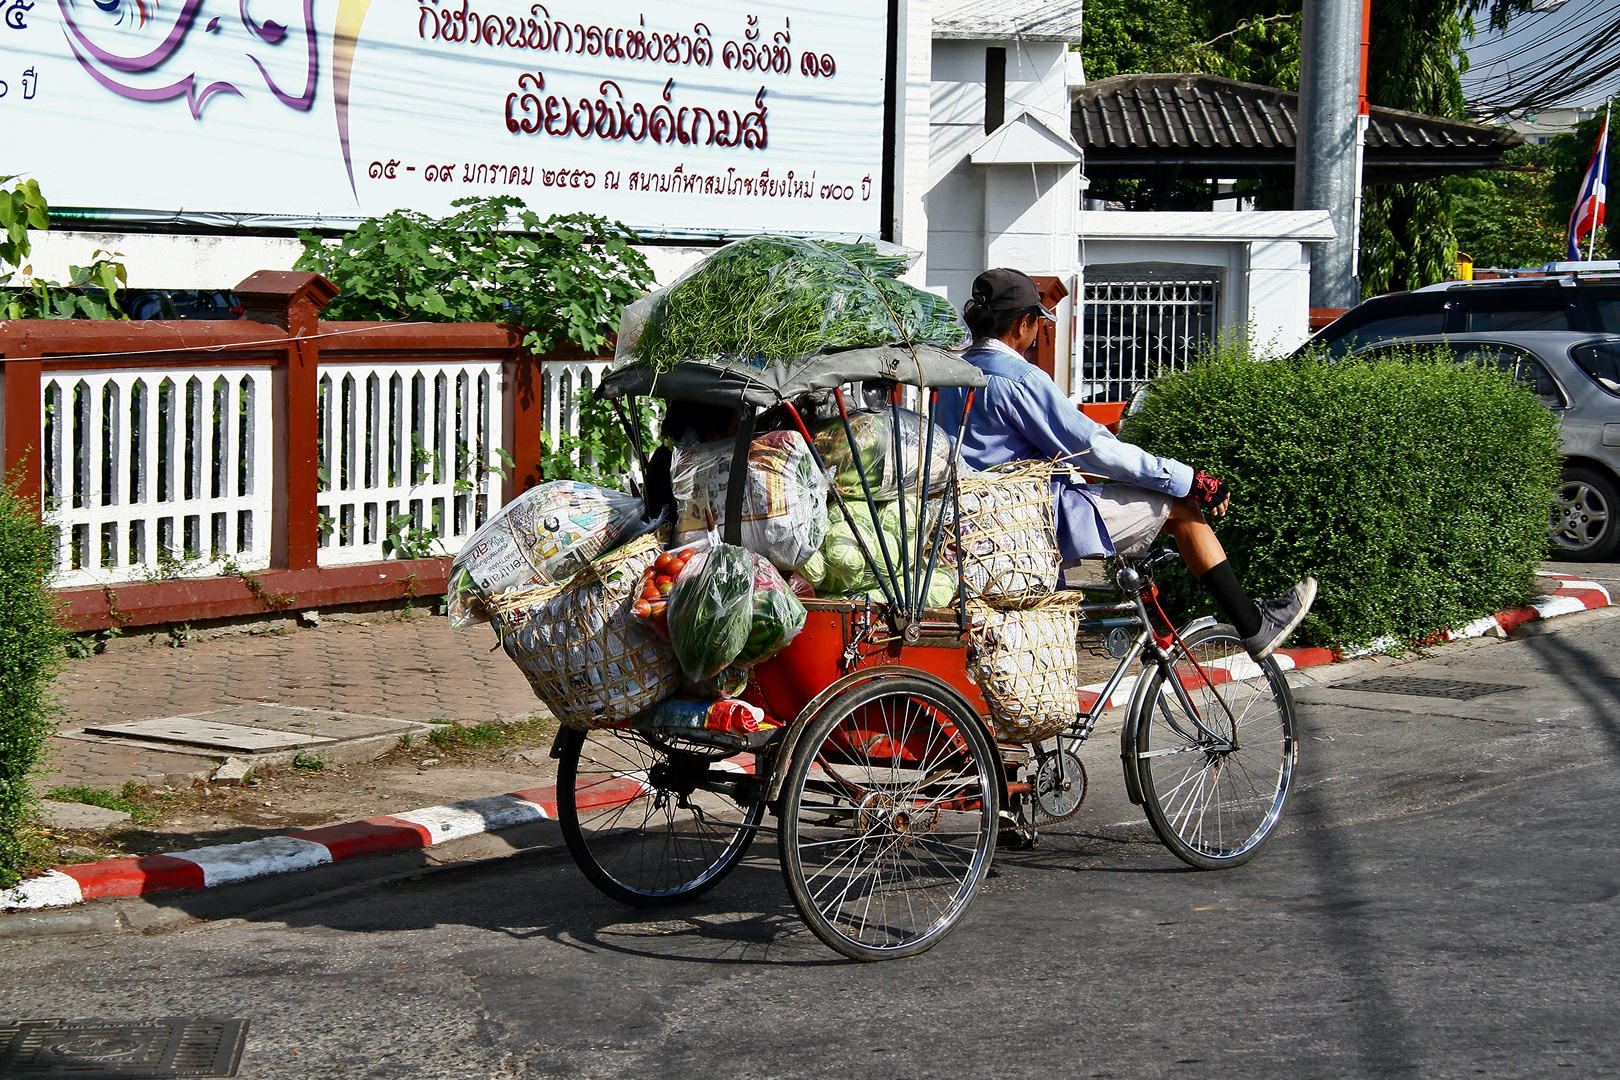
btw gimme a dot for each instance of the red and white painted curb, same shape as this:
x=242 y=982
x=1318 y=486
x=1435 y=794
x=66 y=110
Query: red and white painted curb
x=204 y=868
x=1574 y=594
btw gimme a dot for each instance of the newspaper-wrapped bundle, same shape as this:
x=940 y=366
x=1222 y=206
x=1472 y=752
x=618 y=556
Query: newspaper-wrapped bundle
x=541 y=537
x=587 y=659
x=1009 y=540
x=1025 y=665
x=784 y=504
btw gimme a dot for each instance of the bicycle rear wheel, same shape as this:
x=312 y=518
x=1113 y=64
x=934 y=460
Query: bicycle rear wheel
x=1215 y=793
x=889 y=817
x=650 y=823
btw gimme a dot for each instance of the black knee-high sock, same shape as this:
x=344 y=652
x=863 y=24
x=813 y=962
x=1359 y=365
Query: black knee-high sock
x=1223 y=585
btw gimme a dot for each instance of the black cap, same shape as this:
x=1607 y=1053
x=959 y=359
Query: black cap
x=1007 y=292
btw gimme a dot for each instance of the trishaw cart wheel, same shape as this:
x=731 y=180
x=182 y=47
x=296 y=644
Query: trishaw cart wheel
x=889 y=817
x=650 y=823
x=1215 y=801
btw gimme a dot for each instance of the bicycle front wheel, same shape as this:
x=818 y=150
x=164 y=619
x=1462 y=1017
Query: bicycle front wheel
x=650 y=823
x=1215 y=780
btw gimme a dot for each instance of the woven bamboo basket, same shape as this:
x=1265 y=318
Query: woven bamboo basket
x=1026 y=665
x=587 y=659
x=1009 y=535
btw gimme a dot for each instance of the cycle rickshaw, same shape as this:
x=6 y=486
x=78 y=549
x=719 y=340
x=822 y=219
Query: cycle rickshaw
x=886 y=783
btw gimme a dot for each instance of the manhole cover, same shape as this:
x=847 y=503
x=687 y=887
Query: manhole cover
x=170 y=1046
x=1415 y=686
x=209 y=734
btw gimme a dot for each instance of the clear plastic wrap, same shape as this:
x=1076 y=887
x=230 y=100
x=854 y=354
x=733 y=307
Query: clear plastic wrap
x=711 y=610
x=784 y=506
x=541 y=537
x=777 y=616
x=842 y=570
x=874 y=443
x=776 y=298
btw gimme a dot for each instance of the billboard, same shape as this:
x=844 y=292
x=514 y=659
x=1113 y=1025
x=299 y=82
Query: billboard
x=703 y=118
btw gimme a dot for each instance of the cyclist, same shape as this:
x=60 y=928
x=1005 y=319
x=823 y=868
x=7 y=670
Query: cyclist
x=1021 y=415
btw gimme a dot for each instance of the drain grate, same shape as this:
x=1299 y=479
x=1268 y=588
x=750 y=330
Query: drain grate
x=1416 y=686
x=170 y=1046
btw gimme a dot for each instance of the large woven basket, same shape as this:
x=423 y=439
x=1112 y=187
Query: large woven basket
x=1009 y=535
x=587 y=659
x=1025 y=663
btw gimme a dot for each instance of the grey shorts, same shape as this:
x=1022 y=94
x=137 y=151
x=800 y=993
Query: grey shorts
x=1133 y=516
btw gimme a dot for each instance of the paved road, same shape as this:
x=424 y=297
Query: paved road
x=1443 y=903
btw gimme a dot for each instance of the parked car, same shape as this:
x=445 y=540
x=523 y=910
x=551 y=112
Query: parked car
x=1586 y=302
x=1578 y=377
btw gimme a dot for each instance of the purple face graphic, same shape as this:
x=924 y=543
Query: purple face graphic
x=156 y=50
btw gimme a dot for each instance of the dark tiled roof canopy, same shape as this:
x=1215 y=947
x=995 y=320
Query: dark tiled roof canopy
x=1131 y=125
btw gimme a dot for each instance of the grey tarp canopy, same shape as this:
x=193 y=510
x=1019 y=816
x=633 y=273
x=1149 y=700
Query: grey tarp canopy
x=737 y=383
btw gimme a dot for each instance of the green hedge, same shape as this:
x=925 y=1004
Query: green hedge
x=30 y=653
x=1416 y=490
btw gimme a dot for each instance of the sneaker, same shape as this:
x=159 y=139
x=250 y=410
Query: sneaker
x=1279 y=618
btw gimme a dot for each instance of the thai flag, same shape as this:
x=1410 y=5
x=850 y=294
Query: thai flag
x=1594 y=194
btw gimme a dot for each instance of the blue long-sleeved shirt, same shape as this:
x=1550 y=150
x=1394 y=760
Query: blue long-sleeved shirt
x=1021 y=415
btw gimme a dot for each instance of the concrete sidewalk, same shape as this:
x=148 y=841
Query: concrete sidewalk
x=408 y=669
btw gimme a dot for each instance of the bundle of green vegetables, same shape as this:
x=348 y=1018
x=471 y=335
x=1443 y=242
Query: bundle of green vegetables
x=775 y=298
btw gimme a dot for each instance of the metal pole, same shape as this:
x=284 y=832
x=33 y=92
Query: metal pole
x=1602 y=171
x=1325 y=142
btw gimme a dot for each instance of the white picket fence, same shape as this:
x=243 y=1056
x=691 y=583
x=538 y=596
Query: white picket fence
x=153 y=473
x=408 y=457
x=157 y=473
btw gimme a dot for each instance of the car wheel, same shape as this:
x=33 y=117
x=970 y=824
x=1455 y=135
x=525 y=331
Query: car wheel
x=1585 y=522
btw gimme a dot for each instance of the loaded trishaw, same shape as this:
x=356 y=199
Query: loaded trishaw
x=889 y=711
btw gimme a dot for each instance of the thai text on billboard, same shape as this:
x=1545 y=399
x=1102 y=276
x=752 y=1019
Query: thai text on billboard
x=693 y=118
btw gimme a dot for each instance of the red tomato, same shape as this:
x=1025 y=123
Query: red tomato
x=643 y=609
x=661 y=564
x=658 y=607
x=650 y=592
x=687 y=553
x=664 y=579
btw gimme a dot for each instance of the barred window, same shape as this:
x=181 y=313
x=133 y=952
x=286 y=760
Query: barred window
x=1136 y=325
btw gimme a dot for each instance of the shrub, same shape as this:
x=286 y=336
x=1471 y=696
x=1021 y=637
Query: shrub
x=1415 y=489
x=564 y=278
x=30 y=653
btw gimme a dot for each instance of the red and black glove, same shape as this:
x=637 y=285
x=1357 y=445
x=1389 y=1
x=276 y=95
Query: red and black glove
x=1207 y=491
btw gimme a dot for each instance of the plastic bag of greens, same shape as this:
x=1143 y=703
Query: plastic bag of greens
x=777 y=298
x=710 y=610
x=784 y=504
x=874 y=447
x=541 y=537
x=777 y=615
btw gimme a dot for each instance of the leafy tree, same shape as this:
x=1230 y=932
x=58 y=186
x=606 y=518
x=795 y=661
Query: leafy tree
x=1567 y=157
x=564 y=278
x=1131 y=36
x=1510 y=218
x=91 y=292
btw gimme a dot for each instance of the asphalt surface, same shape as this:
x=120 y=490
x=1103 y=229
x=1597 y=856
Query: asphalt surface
x=1441 y=902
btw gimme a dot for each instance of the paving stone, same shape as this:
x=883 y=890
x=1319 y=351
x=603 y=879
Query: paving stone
x=72 y=815
x=419 y=669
